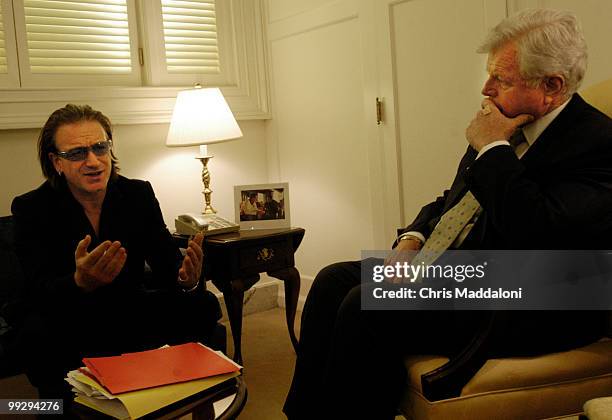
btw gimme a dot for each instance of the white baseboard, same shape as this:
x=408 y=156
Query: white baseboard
x=266 y=294
x=261 y=297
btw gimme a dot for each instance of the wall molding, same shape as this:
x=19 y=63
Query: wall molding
x=312 y=20
x=30 y=108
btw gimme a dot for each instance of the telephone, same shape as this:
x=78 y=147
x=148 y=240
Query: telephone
x=209 y=224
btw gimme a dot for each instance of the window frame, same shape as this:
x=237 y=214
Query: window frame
x=248 y=96
x=40 y=80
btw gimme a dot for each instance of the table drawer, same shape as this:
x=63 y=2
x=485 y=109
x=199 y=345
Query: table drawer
x=265 y=257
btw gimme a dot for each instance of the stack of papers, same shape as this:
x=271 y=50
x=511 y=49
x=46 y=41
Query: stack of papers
x=135 y=384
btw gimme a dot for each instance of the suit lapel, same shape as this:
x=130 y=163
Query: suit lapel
x=114 y=207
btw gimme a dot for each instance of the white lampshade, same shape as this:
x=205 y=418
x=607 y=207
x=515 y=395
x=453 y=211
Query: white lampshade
x=201 y=116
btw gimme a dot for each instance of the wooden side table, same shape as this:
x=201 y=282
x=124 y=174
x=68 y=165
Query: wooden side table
x=233 y=262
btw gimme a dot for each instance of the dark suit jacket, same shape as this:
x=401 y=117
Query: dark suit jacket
x=558 y=196
x=563 y=184
x=49 y=223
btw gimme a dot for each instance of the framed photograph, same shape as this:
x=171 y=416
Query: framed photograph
x=262 y=206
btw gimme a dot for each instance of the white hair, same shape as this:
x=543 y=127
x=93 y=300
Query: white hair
x=549 y=42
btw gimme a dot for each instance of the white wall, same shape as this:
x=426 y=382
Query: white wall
x=317 y=141
x=19 y=168
x=595 y=17
x=173 y=172
x=438 y=97
x=282 y=9
x=176 y=175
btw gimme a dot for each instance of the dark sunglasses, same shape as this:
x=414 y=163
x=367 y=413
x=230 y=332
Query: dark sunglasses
x=80 y=153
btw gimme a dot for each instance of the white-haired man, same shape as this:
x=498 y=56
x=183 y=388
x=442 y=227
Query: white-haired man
x=550 y=190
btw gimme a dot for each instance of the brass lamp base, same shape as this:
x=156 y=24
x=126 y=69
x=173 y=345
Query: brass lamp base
x=208 y=209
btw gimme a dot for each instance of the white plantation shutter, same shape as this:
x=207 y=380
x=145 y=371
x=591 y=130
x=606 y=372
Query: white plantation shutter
x=128 y=57
x=191 y=41
x=9 y=71
x=76 y=42
x=3 y=61
x=78 y=37
x=190 y=36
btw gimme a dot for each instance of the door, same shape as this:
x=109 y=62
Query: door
x=432 y=82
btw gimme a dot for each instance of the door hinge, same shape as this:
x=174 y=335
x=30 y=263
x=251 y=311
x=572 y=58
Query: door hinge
x=379 y=111
x=141 y=56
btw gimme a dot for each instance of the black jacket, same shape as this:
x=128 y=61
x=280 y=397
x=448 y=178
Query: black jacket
x=561 y=187
x=558 y=196
x=49 y=223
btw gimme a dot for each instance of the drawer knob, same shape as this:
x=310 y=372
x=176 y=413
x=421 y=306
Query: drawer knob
x=265 y=254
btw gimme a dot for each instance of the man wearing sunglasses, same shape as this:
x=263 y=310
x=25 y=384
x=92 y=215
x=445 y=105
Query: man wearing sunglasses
x=83 y=238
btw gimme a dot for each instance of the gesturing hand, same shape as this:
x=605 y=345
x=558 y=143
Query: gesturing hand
x=100 y=266
x=490 y=125
x=190 y=271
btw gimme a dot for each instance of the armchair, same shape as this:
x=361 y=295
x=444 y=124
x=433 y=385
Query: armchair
x=547 y=386
x=551 y=385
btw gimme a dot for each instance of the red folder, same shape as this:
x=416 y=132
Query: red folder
x=168 y=365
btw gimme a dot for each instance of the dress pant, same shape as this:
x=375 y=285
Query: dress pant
x=350 y=361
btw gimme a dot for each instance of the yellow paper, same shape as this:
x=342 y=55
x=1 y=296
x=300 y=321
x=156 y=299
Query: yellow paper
x=145 y=401
x=113 y=408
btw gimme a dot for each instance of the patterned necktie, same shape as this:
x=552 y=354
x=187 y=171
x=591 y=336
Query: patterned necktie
x=448 y=228
x=455 y=220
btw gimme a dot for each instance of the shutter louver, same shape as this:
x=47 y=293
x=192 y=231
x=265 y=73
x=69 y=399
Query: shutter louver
x=190 y=37
x=3 y=61
x=78 y=37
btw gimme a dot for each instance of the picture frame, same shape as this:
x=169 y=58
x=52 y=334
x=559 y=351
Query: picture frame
x=262 y=206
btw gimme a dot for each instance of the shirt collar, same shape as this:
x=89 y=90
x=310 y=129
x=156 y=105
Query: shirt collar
x=533 y=130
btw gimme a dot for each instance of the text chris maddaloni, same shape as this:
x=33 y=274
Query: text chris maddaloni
x=444 y=293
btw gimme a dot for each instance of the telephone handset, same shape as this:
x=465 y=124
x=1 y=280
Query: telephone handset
x=209 y=224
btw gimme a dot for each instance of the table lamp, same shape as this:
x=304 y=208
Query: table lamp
x=201 y=116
